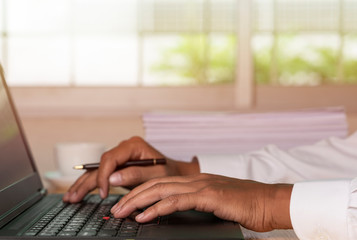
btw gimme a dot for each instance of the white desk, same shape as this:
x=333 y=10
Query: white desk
x=273 y=235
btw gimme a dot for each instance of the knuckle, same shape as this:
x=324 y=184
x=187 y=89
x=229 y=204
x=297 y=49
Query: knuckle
x=105 y=157
x=209 y=190
x=132 y=141
x=153 y=181
x=159 y=187
x=136 y=139
x=173 y=200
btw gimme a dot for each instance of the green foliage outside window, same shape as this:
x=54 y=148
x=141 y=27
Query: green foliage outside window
x=350 y=71
x=198 y=60
x=313 y=66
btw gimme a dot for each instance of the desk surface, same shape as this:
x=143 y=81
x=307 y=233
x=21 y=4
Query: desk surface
x=273 y=235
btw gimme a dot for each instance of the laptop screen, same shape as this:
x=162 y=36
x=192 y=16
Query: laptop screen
x=15 y=162
x=20 y=183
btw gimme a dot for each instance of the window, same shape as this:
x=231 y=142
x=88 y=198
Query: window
x=176 y=42
x=304 y=42
x=236 y=53
x=64 y=42
x=189 y=41
x=118 y=42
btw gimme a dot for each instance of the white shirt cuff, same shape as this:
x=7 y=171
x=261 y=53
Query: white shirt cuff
x=318 y=210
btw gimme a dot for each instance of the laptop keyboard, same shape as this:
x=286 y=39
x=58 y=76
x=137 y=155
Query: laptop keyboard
x=89 y=218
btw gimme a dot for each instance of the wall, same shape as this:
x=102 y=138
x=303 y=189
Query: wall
x=44 y=133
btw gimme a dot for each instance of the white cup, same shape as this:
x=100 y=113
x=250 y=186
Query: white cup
x=70 y=154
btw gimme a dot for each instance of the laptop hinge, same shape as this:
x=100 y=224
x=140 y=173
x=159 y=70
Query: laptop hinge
x=43 y=192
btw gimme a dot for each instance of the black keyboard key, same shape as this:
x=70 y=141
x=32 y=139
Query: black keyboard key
x=90 y=218
x=47 y=234
x=88 y=233
x=107 y=233
x=110 y=200
x=67 y=233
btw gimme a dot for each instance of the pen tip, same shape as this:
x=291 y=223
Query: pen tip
x=78 y=167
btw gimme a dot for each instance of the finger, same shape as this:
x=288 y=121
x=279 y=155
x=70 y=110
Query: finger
x=153 y=194
x=109 y=161
x=171 y=204
x=150 y=183
x=126 y=150
x=82 y=187
x=133 y=176
x=75 y=186
x=134 y=148
x=86 y=187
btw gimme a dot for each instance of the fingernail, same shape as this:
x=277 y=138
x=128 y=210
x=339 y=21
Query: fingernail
x=114 y=208
x=140 y=216
x=101 y=193
x=117 y=210
x=66 y=196
x=115 y=179
x=72 y=197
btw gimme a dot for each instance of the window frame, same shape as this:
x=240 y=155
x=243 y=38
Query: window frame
x=47 y=102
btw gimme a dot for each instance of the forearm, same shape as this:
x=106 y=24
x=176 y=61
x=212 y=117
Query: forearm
x=279 y=205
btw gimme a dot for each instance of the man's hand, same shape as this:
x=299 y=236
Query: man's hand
x=257 y=206
x=133 y=149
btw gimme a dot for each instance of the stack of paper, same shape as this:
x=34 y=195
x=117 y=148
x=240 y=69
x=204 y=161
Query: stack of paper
x=181 y=135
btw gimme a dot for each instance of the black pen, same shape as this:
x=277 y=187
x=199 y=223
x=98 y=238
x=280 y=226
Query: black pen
x=143 y=162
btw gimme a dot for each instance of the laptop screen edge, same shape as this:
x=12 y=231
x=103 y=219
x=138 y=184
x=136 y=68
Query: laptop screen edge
x=14 y=197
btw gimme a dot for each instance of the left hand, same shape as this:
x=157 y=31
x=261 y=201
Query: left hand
x=133 y=148
x=256 y=206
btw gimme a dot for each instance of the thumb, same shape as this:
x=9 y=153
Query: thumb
x=131 y=176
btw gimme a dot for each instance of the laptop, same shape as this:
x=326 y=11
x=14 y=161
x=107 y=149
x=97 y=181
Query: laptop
x=28 y=211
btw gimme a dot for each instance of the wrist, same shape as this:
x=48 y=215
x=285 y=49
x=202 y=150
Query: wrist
x=187 y=168
x=279 y=206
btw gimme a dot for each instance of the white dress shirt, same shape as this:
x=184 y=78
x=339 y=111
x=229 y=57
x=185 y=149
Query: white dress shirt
x=320 y=208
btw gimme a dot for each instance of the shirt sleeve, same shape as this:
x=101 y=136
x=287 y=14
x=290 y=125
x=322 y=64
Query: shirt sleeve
x=332 y=158
x=325 y=209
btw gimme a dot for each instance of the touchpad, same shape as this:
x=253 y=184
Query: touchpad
x=191 y=225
